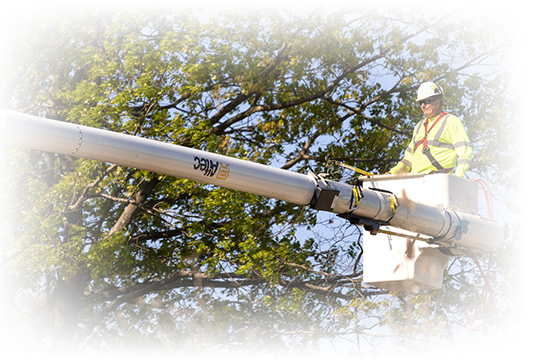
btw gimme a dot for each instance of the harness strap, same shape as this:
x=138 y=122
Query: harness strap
x=434 y=162
x=426 y=131
x=425 y=148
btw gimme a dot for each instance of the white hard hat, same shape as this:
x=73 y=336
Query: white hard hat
x=429 y=89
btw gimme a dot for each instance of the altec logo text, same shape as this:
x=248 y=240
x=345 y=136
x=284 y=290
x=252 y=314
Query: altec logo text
x=211 y=168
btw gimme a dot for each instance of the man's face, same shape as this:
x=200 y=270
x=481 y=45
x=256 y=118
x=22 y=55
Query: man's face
x=431 y=107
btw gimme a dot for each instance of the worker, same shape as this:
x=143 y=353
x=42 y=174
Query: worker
x=439 y=142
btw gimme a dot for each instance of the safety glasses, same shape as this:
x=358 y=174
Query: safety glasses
x=426 y=101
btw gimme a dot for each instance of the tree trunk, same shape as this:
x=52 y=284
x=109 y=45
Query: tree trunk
x=67 y=297
x=131 y=211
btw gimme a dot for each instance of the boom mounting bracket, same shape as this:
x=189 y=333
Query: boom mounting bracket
x=370 y=225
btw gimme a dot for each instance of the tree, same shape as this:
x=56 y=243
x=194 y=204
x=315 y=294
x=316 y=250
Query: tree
x=120 y=256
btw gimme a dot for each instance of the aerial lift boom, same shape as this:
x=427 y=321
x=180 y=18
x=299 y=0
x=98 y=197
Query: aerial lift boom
x=371 y=208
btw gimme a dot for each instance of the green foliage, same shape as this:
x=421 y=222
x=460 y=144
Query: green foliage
x=147 y=256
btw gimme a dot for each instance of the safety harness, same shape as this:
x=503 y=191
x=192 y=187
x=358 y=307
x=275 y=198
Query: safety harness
x=424 y=143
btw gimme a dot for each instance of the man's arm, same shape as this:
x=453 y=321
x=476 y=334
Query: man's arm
x=404 y=166
x=462 y=147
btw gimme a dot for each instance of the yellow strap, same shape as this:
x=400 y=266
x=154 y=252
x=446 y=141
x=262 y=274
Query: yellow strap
x=360 y=171
x=393 y=203
x=356 y=194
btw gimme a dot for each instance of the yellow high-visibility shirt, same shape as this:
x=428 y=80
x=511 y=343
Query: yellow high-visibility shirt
x=447 y=141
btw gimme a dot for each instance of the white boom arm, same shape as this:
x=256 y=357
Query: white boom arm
x=363 y=206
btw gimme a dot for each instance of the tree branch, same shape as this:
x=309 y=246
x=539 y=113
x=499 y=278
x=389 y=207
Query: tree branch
x=302 y=155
